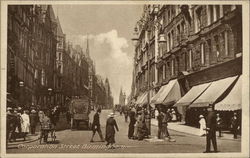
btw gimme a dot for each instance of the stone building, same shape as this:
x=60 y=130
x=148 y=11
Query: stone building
x=183 y=46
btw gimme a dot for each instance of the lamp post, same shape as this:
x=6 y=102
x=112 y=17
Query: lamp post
x=50 y=91
x=21 y=84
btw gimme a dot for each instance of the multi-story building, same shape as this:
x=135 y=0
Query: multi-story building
x=31 y=48
x=183 y=46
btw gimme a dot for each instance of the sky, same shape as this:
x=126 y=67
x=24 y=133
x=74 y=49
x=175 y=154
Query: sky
x=109 y=29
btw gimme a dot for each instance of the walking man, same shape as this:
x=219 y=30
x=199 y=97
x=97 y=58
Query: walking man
x=96 y=127
x=132 y=122
x=211 y=130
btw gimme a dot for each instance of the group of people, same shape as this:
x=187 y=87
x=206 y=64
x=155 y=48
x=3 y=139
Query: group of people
x=111 y=128
x=234 y=125
x=213 y=123
x=138 y=127
x=21 y=122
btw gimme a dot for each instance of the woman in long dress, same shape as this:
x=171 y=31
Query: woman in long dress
x=202 y=126
x=110 y=131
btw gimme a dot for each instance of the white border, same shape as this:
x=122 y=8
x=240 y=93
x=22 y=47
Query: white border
x=245 y=87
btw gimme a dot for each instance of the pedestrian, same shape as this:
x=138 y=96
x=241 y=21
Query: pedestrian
x=160 y=118
x=141 y=127
x=11 y=125
x=33 y=121
x=202 y=123
x=131 y=124
x=211 y=130
x=45 y=125
x=173 y=114
x=165 y=120
x=219 y=124
x=96 y=126
x=136 y=129
x=235 y=125
x=111 y=125
x=126 y=115
x=25 y=123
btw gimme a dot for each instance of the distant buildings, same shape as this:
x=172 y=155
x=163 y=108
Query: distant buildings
x=43 y=70
x=122 y=98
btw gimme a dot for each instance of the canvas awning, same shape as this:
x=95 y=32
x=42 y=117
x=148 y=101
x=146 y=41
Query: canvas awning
x=140 y=98
x=214 y=91
x=233 y=100
x=192 y=94
x=168 y=94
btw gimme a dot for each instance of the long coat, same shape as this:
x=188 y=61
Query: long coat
x=110 y=130
x=33 y=119
x=25 y=125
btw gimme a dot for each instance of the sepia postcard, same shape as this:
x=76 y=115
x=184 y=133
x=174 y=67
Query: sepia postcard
x=125 y=78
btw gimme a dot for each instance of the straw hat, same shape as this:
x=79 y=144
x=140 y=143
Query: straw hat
x=201 y=116
x=33 y=111
x=111 y=115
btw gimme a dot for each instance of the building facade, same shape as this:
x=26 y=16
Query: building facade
x=194 y=44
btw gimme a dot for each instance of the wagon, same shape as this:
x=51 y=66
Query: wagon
x=79 y=112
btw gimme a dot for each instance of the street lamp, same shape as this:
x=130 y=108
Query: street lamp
x=49 y=90
x=21 y=84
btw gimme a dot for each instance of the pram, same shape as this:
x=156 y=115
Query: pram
x=46 y=129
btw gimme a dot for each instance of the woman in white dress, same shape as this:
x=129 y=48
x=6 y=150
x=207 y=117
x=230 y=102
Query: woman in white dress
x=202 y=126
x=25 y=124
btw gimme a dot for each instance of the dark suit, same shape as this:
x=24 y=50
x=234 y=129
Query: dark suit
x=96 y=127
x=131 y=124
x=211 y=132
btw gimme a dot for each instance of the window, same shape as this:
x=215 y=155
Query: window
x=217 y=46
x=202 y=47
x=190 y=54
x=178 y=64
x=226 y=43
x=168 y=42
x=178 y=33
x=172 y=67
x=198 y=19
x=211 y=14
x=217 y=12
x=172 y=40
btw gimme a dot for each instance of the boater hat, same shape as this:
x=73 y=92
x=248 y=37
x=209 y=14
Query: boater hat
x=111 y=115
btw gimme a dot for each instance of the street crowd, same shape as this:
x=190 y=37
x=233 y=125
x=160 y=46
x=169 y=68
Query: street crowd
x=20 y=122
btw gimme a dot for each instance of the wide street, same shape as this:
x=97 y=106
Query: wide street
x=78 y=141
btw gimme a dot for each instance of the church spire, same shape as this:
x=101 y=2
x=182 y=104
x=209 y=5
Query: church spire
x=87 y=49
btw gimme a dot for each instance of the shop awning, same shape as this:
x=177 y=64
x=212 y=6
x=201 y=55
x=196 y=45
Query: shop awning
x=192 y=94
x=233 y=100
x=168 y=94
x=140 y=98
x=214 y=91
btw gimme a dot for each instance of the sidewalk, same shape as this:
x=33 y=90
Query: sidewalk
x=177 y=126
x=61 y=125
x=29 y=138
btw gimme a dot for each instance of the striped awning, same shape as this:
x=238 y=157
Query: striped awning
x=214 y=91
x=168 y=94
x=192 y=94
x=233 y=100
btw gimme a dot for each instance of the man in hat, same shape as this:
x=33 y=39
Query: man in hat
x=96 y=126
x=235 y=125
x=211 y=130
